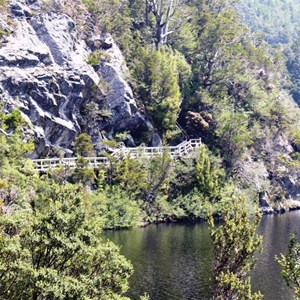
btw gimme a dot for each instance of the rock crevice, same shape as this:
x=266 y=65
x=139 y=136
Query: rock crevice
x=44 y=71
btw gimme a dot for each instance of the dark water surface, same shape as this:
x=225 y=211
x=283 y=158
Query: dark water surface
x=173 y=261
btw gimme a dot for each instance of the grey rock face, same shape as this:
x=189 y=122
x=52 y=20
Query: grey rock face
x=292 y=184
x=264 y=203
x=44 y=72
x=156 y=141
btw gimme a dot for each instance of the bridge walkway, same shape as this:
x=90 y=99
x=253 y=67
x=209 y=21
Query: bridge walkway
x=184 y=149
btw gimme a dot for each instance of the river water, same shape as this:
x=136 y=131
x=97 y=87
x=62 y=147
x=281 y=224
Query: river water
x=173 y=261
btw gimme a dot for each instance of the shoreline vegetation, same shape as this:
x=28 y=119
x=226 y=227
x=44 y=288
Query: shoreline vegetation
x=208 y=77
x=189 y=220
x=138 y=192
x=192 y=68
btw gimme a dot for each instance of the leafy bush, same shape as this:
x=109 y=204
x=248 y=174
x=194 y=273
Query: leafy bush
x=290 y=265
x=161 y=74
x=14 y=119
x=118 y=209
x=235 y=244
x=84 y=145
x=97 y=57
x=194 y=205
x=54 y=250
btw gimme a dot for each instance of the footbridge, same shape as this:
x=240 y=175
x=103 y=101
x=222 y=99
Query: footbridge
x=184 y=149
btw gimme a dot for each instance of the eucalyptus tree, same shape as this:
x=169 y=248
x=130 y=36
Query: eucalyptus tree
x=169 y=15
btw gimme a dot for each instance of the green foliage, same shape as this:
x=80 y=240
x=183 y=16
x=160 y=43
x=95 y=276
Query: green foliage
x=193 y=205
x=122 y=136
x=4 y=33
x=13 y=147
x=296 y=136
x=84 y=145
x=185 y=40
x=232 y=76
x=184 y=180
x=119 y=209
x=50 y=235
x=54 y=251
x=234 y=133
x=14 y=119
x=111 y=143
x=235 y=243
x=289 y=263
x=293 y=66
x=97 y=57
x=278 y=22
x=210 y=175
x=197 y=184
x=112 y=16
x=162 y=73
x=132 y=176
x=159 y=173
x=83 y=173
x=145 y=179
x=277 y=19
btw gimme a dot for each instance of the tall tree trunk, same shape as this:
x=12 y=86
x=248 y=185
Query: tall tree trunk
x=165 y=32
x=164 y=12
x=159 y=35
x=147 y=13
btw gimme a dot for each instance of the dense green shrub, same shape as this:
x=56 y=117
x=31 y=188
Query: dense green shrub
x=54 y=250
x=235 y=244
x=84 y=145
x=289 y=263
x=50 y=236
x=97 y=57
x=118 y=209
x=14 y=119
x=161 y=74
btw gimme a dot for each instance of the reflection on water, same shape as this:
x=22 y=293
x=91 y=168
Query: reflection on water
x=276 y=230
x=173 y=262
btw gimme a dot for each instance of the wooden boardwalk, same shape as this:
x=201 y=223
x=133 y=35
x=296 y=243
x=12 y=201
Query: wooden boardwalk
x=184 y=149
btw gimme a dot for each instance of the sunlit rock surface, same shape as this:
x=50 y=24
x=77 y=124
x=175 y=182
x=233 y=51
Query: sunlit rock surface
x=44 y=71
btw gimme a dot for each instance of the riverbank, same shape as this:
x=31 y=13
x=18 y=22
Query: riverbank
x=281 y=207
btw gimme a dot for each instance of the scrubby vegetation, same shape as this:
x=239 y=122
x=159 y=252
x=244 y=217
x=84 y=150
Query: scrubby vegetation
x=196 y=66
x=235 y=243
x=278 y=23
x=50 y=233
x=97 y=57
x=289 y=263
x=196 y=71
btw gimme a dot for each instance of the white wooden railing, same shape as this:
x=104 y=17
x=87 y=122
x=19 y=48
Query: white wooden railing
x=184 y=149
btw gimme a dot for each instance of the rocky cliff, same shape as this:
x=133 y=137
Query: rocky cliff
x=68 y=77
x=44 y=71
